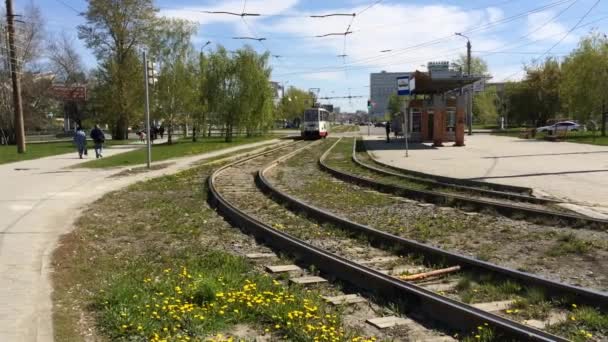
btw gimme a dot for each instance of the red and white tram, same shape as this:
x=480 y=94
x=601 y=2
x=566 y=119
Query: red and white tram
x=315 y=124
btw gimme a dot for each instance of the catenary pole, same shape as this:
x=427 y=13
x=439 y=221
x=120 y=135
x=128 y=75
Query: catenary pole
x=17 y=105
x=470 y=95
x=148 y=141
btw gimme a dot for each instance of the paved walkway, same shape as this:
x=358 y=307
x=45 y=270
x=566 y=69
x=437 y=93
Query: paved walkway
x=39 y=201
x=569 y=171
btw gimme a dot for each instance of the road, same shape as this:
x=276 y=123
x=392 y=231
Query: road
x=39 y=201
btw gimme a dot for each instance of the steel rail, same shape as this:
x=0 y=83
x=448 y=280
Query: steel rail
x=456 y=181
x=572 y=220
x=433 y=254
x=455 y=315
x=432 y=182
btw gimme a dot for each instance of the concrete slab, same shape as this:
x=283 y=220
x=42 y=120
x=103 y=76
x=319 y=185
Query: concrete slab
x=388 y=322
x=282 y=268
x=308 y=280
x=260 y=255
x=345 y=299
x=494 y=306
x=572 y=172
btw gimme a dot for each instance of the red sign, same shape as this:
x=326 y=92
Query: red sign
x=69 y=93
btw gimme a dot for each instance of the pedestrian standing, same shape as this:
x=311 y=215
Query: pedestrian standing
x=388 y=131
x=98 y=138
x=161 y=130
x=80 y=140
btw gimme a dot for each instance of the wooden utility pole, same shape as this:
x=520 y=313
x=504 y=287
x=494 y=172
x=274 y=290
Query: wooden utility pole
x=19 y=129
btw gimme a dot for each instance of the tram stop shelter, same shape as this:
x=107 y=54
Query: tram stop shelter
x=436 y=109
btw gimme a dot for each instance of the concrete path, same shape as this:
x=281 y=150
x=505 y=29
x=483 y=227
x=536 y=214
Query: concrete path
x=39 y=201
x=573 y=172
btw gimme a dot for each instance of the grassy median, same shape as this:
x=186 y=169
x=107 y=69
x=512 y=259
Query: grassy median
x=155 y=262
x=180 y=148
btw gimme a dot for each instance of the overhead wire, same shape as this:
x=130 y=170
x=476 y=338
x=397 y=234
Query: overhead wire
x=561 y=39
x=438 y=40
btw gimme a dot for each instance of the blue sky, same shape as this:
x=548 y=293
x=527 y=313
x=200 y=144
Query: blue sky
x=507 y=34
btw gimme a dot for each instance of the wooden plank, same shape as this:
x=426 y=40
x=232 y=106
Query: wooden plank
x=429 y=274
x=282 y=268
x=345 y=299
x=387 y=322
x=308 y=280
x=405 y=269
x=494 y=306
x=260 y=255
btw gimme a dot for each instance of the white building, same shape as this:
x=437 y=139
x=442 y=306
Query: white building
x=381 y=86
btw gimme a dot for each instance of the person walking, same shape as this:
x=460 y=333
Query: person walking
x=388 y=131
x=161 y=130
x=98 y=138
x=80 y=140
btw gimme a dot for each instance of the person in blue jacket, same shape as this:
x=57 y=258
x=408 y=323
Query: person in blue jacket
x=80 y=140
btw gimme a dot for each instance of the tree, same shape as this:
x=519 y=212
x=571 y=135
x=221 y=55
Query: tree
x=585 y=78
x=395 y=104
x=255 y=91
x=114 y=29
x=176 y=89
x=293 y=104
x=34 y=84
x=65 y=61
x=536 y=99
x=67 y=66
x=478 y=65
x=485 y=106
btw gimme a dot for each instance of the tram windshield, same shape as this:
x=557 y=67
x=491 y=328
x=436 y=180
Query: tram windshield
x=311 y=115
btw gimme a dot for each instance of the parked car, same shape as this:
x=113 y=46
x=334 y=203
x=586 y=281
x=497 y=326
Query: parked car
x=380 y=124
x=561 y=126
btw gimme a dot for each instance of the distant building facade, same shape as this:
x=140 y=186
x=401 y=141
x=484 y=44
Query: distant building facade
x=278 y=92
x=381 y=86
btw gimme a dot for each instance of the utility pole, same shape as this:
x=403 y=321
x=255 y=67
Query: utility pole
x=17 y=106
x=470 y=95
x=469 y=89
x=604 y=118
x=147 y=99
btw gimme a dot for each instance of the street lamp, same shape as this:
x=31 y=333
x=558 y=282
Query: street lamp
x=468 y=51
x=469 y=97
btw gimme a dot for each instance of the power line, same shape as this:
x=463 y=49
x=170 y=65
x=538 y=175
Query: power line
x=489 y=25
x=571 y=29
x=562 y=39
x=370 y=6
x=69 y=6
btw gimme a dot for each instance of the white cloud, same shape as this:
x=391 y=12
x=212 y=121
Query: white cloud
x=391 y=27
x=541 y=27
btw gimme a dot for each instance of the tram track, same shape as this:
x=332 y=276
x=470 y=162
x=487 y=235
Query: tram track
x=504 y=203
x=449 y=312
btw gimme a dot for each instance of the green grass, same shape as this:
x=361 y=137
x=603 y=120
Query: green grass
x=8 y=154
x=569 y=244
x=344 y=128
x=151 y=262
x=177 y=149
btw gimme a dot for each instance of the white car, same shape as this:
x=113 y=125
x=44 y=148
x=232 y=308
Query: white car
x=561 y=126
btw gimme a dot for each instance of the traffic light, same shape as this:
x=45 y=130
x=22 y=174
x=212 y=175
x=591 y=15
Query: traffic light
x=369 y=104
x=152 y=74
